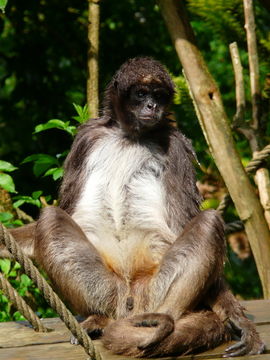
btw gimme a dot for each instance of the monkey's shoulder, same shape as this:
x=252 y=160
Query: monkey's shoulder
x=180 y=145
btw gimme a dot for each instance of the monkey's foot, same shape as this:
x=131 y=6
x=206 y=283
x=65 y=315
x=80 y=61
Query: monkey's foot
x=250 y=342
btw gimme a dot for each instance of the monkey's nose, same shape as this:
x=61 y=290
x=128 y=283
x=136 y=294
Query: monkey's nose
x=151 y=105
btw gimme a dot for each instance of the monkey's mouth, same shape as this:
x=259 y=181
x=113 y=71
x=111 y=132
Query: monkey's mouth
x=148 y=120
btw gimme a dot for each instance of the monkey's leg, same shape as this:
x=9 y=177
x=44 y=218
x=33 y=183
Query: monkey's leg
x=74 y=265
x=229 y=310
x=190 y=266
x=24 y=236
x=193 y=332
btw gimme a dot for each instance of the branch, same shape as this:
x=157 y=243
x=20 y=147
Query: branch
x=239 y=87
x=216 y=125
x=93 y=38
x=253 y=63
x=239 y=122
x=263 y=182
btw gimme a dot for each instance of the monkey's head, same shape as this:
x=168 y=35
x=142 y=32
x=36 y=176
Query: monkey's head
x=139 y=95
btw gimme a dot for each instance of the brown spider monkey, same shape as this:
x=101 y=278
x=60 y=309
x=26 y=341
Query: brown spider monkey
x=128 y=246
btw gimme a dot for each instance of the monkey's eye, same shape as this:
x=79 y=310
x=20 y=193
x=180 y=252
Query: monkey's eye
x=141 y=94
x=161 y=96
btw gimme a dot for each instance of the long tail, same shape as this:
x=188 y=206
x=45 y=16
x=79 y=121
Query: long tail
x=152 y=335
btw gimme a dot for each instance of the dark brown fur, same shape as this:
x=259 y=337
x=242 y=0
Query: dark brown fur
x=169 y=296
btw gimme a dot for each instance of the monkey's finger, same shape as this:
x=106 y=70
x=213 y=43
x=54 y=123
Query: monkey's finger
x=241 y=351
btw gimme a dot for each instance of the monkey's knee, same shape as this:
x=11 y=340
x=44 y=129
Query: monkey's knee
x=209 y=227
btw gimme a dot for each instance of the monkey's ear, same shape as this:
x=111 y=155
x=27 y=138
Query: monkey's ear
x=115 y=84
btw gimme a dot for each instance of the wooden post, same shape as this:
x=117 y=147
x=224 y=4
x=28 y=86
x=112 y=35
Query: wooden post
x=93 y=38
x=215 y=124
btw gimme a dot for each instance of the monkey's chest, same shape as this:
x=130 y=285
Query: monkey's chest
x=123 y=204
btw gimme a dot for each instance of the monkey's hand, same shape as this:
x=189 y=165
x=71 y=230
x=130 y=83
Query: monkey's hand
x=94 y=326
x=250 y=342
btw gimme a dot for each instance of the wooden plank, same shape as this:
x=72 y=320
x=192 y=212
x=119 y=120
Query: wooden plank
x=258 y=310
x=18 y=341
x=25 y=335
x=64 y=351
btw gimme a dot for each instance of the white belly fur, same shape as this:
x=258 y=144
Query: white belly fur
x=122 y=207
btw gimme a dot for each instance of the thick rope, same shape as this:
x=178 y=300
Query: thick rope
x=225 y=202
x=51 y=297
x=253 y=165
x=234 y=227
x=21 y=305
x=258 y=159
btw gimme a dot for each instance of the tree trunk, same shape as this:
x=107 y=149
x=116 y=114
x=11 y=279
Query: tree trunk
x=93 y=38
x=215 y=125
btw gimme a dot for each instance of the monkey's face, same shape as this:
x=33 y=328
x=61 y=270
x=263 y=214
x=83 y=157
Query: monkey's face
x=145 y=107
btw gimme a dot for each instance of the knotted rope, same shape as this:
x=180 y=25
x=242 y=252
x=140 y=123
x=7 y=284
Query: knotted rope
x=51 y=297
x=253 y=165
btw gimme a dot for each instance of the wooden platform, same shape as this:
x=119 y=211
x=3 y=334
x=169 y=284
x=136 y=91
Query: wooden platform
x=19 y=342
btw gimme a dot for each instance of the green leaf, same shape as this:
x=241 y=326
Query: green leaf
x=18 y=203
x=18 y=316
x=82 y=112
x=26 y=199
x=6 y=182
x=6 y=166
x=42 y=162
x=25 y=281
x=51 y=124
x=56 y=124
x=209 y=204
x=36 y=194
x=3 y=4
x=58 y=173
x=55 y=172
x=5 y=216
x=5 y=265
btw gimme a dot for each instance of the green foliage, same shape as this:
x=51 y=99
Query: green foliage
x=82 y=113
x=26 y=288
x=6 y=181
x=5 y=217
x=42 y=162
x=33 y=200
x=223 y=17
x=242 y=276
x=48 y=165
x=56 y=124
x=3 y=4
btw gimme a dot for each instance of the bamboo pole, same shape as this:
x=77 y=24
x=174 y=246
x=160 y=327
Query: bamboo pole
x=93 y=38
x=215 y=124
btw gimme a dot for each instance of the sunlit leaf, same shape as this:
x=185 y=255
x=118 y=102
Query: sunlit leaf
x=5 y=265
x=6 y=166
x=6 y=182
x=3 y=4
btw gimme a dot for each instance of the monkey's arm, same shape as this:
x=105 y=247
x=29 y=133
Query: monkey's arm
x=25 y=236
